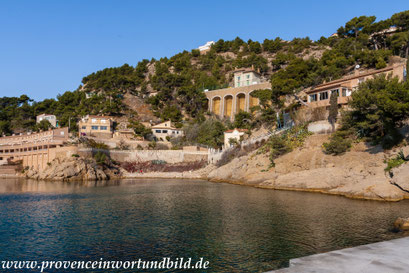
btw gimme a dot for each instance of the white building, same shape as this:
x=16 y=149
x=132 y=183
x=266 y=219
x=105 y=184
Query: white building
x=246 y=77
x=206 y=46
x=51 y=118
x=235 y=135
x=165 y=129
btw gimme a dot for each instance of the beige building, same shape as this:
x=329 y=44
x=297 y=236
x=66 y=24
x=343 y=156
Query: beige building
x=227 y=102
x=206 y=47
x=235 y=135
x=165 y=129
x=320 y=95
x=33 y=149
x=96 y=126
x=246 y=77
x=51 y=118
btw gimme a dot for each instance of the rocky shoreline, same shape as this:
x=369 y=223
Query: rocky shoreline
x=357 y=174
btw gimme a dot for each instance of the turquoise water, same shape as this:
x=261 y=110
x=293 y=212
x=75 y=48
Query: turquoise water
x=235 y=228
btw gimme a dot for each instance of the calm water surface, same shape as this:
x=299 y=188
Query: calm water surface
x=236 y=228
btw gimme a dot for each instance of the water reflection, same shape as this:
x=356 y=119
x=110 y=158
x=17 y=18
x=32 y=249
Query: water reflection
x=238 y=229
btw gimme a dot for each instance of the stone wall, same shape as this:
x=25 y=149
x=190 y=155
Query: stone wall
x=322 y=127
x=170 y=156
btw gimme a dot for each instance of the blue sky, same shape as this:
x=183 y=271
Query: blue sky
x=47 y=47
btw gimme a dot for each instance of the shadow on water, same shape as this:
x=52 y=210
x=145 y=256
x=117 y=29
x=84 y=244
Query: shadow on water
x=235 y=228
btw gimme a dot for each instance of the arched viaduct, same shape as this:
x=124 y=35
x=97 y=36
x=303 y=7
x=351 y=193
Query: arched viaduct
x=228 y=102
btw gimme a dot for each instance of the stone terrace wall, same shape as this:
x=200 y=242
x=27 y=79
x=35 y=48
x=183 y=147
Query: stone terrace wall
x=170 y=156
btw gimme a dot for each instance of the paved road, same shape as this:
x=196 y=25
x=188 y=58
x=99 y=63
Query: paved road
x=384 y=257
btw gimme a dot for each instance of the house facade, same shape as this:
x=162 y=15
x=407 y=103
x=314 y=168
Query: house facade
x=206 y=47
x=165 y=130
x=246 y=77
x=320 y=95
x=33 y=149
x=51 y=118
x=234 y=135
x=227 y=102
x=96 y=126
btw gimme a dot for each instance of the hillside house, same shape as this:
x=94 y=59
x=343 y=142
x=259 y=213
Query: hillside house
x=206 y=47
x=227 y=102
x=246 y=77
x=344 y=87
x=165 y=130
x=96 y=126
x=234 y=135
x=51 y=118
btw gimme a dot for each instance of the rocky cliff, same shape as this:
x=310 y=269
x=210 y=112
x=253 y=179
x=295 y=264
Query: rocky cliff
x=73 y=168
x=357 y=174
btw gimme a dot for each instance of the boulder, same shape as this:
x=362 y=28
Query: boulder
x=401 y=224
x=70 y=169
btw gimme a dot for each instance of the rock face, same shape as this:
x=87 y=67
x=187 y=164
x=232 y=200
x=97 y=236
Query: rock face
x=70 y=169
x=401 y=177
x=401 y=224
x=357 y=174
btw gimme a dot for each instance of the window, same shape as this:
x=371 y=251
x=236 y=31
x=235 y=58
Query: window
x=248 y=76
x=313 y=97
x=238 y=78
x=335 y=91
x=165 y=131
x=248 y=82
x=104 y=127
x=93 y=120
x=238 y=83
x=158 y=131
x=361 y=80
x=84 y=127
x=103 y=121
x=94 y=127
x=344 y=92
x=324 y=96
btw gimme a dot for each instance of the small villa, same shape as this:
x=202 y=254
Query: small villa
x=206 y=47
x=165 y=130
x=344 y=87
x=233 y=136
x=51 y=118
x=246 y=77
x=96 y=126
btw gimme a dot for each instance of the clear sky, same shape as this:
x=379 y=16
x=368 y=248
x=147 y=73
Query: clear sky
x=47 y=47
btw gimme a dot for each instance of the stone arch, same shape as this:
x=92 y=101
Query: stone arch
x=253 y=101
x=216 y=105
x=207 y=105
x=240 y=102
x=228 y=106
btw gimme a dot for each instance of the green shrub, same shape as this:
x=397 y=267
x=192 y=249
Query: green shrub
x=278 y=145
x=75 y=155
x=100 y=158
x=394 y=162
x=339 y=143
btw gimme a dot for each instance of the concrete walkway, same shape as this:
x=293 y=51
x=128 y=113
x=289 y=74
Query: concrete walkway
x=384 y=257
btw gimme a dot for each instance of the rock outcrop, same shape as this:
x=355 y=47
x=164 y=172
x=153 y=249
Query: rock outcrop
x=73 y=168
x=401 y=224
x=357 y=174
x=401 y=177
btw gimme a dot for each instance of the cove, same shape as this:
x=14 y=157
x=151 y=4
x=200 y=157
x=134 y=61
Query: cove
x=235 y=228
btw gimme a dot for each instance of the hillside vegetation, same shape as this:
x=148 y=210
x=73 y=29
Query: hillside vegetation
x=172 y=88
